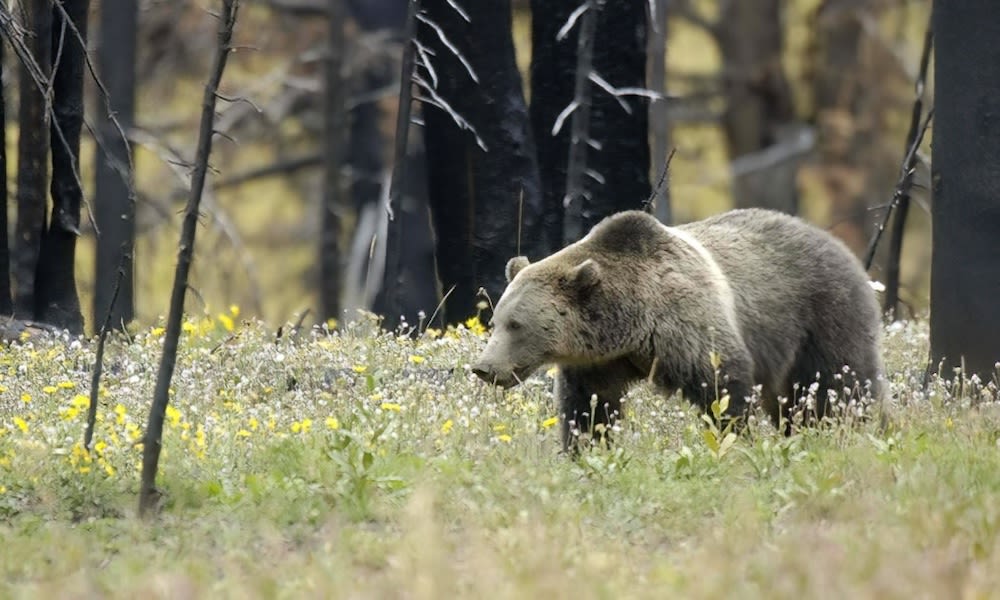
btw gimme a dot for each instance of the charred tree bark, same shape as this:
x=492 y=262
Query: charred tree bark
x=579 y=133
x=335 y=142
x=965 y=273
x=620 y=160
x=114 y=202
x=478 y=195
x=6 y=300
x=395 y=276
x=367 y=265
x=32 y=158
x=56 y=299
x=759 y=110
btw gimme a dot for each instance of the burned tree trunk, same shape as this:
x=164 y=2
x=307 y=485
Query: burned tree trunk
x=32 y=157
x=965 y=273
x=483 y=180
x=853 y=100
x=335 y=140
x=759 y=111
x=56 y=299
x=659 y=123
x=114 y=203
x=618 y=159
x=6 y=300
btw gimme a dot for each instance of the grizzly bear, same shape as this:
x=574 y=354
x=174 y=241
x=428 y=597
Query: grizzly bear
x=784 y=304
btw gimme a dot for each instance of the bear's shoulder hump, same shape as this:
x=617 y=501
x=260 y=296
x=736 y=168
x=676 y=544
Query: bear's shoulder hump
x=630 y=232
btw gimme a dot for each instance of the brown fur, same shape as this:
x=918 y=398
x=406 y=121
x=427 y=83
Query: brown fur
x=780 y=300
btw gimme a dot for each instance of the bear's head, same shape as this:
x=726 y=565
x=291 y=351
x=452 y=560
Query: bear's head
x=539 y=319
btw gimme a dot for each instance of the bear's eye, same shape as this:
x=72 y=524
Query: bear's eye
x=514 y=325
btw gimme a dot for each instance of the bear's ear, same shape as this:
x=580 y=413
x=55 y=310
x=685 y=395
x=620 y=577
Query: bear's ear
x=586 y=275
x=515 y=265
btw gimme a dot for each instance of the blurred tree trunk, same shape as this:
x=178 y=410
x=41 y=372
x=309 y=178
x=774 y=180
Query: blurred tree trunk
x=32 y=158
x=56 y=299
x=478 y=196
x=759 y=110
x=6 y=300
x=965 y=272
x=114 y=205
x=420 y=293
x=852 y=101
x=621 y=160
x=334 y=146
x=659 y=122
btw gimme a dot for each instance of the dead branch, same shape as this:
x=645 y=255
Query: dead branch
x=148 y=494
x=901 y=197
x=95 y=379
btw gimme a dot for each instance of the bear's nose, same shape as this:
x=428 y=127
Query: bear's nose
x=483 y=372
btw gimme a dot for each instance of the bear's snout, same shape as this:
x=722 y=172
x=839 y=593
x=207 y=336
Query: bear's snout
x=490 y=374
x=483 y=372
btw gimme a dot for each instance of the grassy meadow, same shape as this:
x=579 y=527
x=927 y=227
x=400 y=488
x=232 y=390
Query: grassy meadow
x=365 y=465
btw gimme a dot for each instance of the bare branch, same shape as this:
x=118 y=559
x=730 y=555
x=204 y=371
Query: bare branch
x=571 y=21
x=561 y=118
x=461 y=12
x=610 y=89
x=447 y=43
x=438 y=101
x=425 y=61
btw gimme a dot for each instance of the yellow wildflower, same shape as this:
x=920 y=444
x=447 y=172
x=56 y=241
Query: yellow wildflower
x=234 y=310
x=391 y=406
x=65 y=385
x=3 y=389
x=446 y=428
x=474 y=325
x=49 y=389
x=21 y=424
x=26 y=398
x=504 y=438
x=120 y=414
x=100 y=447
x=499 y=427
x=80 y=401
x=332 y=423
x=416 y=359
x=433 y=333
x=189 y=327
x=331 y=323
x=547 y=423
x=243 y=433
x=359 y=368
x=173 y=415
x=156 y=331
x=227 y=321
x=69 y=413
x=253 y=423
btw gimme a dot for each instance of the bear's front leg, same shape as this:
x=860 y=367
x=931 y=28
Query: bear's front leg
x=575 y=390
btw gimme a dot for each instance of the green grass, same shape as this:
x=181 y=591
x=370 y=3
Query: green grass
x=364 y=465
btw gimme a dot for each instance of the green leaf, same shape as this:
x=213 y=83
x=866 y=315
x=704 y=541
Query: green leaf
x=710 y=440
x=727 y=443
